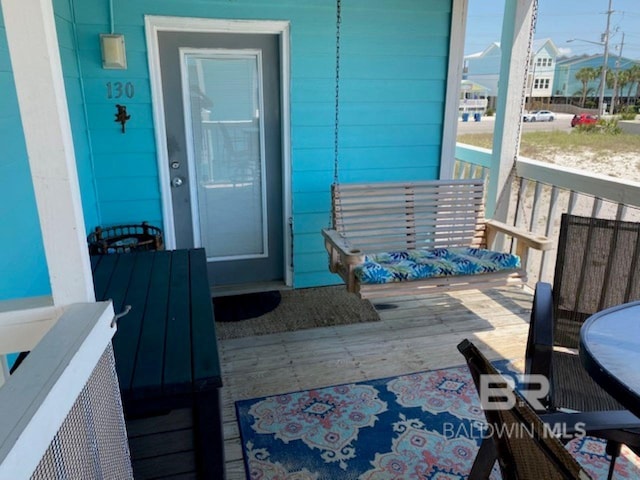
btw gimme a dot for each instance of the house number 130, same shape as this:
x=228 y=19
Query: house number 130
x=118 y=89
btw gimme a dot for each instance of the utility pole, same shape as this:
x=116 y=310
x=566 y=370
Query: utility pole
x=615 y=78
x=603 y=80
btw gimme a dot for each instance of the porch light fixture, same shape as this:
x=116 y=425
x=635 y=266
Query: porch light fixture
x=114 y=55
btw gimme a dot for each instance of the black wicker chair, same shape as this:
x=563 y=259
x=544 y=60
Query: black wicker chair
x=529 y=452
x=596 y=267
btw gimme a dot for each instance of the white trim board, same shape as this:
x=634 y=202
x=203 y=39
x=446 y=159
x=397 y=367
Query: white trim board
x=21 y=330
x=42 y=391
x=155 y=24
x=35 y=58
x=454 y=78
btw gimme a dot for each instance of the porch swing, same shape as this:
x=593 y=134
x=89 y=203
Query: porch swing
x=406 y=238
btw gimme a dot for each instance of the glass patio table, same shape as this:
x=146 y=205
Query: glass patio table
x=610 y=352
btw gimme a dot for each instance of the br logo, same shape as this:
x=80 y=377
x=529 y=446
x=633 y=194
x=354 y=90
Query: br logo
x=496 y=391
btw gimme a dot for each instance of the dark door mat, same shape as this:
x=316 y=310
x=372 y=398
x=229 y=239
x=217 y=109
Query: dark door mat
x=301 y=309
x=242 y=307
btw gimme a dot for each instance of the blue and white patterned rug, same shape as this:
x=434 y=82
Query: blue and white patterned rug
x=419 y=426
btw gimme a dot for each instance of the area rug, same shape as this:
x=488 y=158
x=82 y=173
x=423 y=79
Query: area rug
x=303 y=308
x=420 y=426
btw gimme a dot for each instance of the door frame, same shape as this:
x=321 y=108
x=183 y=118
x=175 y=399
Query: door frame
x=155 y=24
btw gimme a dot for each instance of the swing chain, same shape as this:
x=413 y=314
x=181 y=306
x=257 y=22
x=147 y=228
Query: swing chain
x=337 y=110
x=523 y=96
x=532 y=31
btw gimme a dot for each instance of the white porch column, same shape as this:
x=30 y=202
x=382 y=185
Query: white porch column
x=514 y=45
x=459 y=15
x=35 y=59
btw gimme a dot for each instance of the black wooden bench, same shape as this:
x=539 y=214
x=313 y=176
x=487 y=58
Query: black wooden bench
x=166 y=347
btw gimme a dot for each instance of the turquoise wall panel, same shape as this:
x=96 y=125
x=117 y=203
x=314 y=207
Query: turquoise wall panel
x=312 y=278
x=5 y=61
x=22 y=258
x=22 y=262
x=393 y=71
x=310 y=223
x=124 y=165
x=393 y=83
x=362 y=158
x=135 y=140
x=119 y=212
x=311 y=202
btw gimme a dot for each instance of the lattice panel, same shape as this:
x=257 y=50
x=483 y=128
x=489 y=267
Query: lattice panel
x=92 y=441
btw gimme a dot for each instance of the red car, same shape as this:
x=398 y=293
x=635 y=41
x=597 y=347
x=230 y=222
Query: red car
x=583 y=119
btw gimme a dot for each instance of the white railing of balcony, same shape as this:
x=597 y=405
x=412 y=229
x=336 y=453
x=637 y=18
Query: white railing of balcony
x=61 y=410
x=541 y=192
x=472 y=105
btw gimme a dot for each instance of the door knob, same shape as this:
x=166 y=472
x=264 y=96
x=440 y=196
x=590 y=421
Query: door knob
x=177 y=181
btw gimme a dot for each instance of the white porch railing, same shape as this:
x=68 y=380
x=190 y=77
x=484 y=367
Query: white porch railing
x=541 y=192
x=61 y=411
x=472 y=105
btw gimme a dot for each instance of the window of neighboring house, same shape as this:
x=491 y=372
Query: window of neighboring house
x=541 y=83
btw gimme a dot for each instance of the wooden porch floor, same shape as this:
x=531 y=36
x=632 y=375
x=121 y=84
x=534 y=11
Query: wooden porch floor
x=414 y=334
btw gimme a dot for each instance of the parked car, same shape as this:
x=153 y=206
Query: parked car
x=539 y=116
x=583 y=119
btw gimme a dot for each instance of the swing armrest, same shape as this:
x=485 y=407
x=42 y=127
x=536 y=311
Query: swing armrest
x=337 y=244
x=525 y=238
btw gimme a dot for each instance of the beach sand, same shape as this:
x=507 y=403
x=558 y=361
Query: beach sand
x=624 y=166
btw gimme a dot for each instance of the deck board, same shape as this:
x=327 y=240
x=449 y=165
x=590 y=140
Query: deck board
x=415 y=334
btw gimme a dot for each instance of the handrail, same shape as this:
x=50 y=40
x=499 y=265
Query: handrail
x=543 y=191
x=40 y=395
x=612 y=189
x=605 y=187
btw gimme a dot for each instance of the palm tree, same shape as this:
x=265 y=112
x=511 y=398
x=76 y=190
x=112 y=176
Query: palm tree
x=624 y=77
x=584 y=76
x=617 y=80
x=634 y=80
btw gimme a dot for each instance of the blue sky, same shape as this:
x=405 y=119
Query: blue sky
x=561 y=20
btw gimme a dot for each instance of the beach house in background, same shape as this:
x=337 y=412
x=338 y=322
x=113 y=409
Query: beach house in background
x=567 y=86
x=473 y=98
x=484 y=67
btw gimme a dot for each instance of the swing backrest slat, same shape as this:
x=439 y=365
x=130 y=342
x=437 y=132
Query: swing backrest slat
x=390 y=216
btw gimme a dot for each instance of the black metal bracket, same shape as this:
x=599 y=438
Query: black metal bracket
x=121 y=116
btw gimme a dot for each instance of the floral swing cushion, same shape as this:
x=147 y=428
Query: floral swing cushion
x=419 y=264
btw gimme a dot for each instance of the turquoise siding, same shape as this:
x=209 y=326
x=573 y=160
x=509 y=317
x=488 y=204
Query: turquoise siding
x=22 y=262
x=394 y=79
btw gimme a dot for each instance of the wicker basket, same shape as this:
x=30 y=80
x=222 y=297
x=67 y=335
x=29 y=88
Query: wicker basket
x=125 y=238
